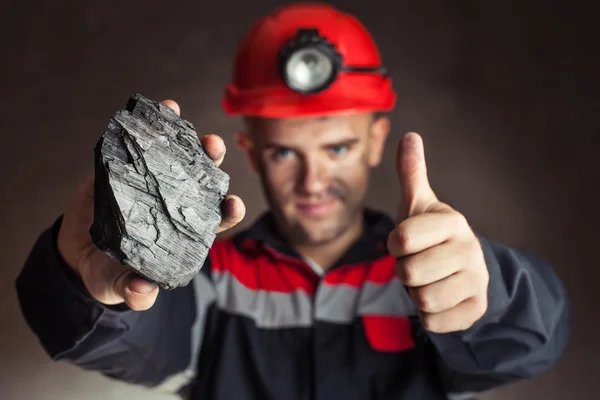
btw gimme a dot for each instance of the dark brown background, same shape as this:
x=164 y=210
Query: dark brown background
x=504 y=94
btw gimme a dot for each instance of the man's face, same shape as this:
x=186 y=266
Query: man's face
x=315 y=171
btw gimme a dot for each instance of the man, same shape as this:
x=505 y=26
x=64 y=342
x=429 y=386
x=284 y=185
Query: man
x=320 y=298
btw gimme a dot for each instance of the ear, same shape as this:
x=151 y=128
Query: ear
x=247 y=146
x=380 y=129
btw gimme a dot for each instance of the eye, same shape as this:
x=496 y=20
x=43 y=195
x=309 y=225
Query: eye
x=339 y=149
x=283 y=154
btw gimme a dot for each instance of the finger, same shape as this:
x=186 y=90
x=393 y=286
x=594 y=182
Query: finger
x=172 y=104
x=81 y=205
x=138 y=293
x=233 y=211
x=458 y=318
x=431 y=265
x=416 y=192
x=444 y=294
x=424 y=231
x=86 y=190
x=214 y=147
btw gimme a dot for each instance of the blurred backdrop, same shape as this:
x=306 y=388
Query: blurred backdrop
x=504 y=94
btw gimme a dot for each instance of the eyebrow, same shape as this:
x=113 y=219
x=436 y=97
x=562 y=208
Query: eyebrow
x=347 y=142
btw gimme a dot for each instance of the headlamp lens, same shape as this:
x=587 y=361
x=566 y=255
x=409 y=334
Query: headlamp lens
x=308 y=69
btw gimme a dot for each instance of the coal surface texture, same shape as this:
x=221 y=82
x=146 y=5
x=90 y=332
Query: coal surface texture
x=157 y=194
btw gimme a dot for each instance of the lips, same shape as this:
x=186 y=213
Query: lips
x=316 y=209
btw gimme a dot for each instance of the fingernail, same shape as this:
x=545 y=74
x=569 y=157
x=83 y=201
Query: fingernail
x=232 y=205
x=140 y=285
x=144 y=288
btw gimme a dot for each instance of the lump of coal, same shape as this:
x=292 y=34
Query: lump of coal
x=157 y=194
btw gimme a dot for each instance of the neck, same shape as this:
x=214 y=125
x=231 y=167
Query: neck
x=328 y=253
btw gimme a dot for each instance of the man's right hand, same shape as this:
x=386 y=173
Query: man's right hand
x=107 y=280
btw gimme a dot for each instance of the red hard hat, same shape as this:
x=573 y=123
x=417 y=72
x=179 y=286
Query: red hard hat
x=260 y=87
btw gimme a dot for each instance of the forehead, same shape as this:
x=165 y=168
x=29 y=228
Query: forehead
x=310 y=129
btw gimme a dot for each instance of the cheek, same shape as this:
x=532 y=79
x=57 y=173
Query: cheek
x=353 y=173
x=279 y=178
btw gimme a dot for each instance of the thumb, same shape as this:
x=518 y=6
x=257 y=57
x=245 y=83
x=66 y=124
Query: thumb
x=416 y=193
x=111 y=283
x=138 y=293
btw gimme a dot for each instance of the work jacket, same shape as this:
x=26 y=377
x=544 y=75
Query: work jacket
x=261 y=323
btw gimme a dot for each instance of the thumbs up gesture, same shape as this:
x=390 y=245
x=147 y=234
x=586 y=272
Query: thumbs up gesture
x=439 y=258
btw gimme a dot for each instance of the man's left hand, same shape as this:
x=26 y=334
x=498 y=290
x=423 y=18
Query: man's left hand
x=439 y=258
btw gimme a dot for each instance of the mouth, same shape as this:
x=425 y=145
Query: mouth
x=316 y=209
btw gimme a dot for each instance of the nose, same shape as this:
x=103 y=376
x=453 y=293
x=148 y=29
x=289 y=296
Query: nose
x=314 y=177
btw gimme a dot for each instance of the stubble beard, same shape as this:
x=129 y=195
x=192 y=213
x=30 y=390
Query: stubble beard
x=301 y=235
x=295 y=230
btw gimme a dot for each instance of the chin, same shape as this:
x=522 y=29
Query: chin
x=315 y=240
x=310 y=229
x=316 y=232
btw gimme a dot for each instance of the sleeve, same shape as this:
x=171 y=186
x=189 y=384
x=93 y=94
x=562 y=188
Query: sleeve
x=524 y=331
x=156 y=348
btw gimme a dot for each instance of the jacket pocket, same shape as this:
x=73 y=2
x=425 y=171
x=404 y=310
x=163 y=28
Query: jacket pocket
x=388 y=333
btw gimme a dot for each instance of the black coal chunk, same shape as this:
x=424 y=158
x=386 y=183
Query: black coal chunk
x=157 y=195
